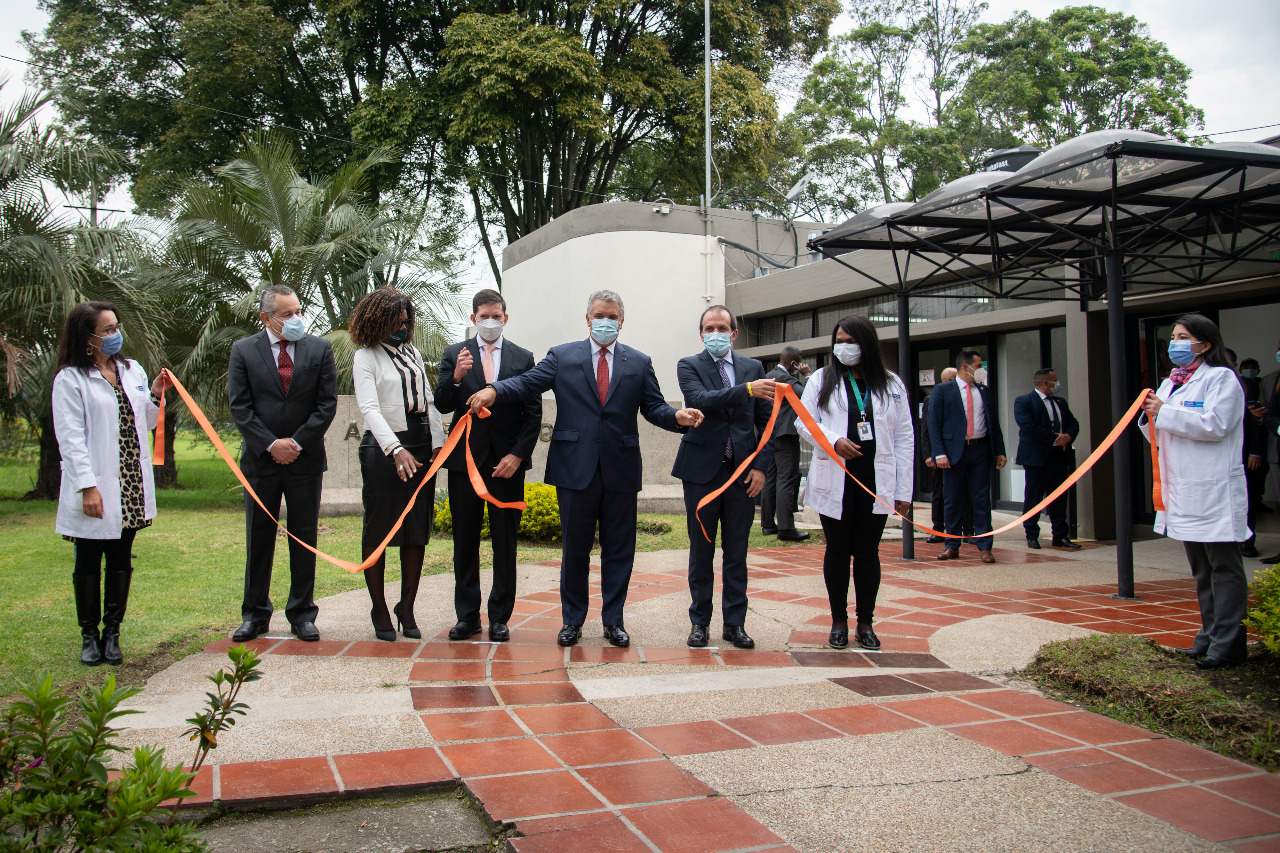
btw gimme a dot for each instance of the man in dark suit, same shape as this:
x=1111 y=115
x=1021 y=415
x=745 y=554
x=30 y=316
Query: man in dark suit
x=937 y=516
x=782 y=483
x=1046 y=429
x=594 y=459
x=1267 y=412
x=283 y=388
x=736 y=398
x=964 y=431
x=1254 y=454
x=502 y=447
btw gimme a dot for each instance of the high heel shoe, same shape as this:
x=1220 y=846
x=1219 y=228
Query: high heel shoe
x=410 y=629
x=389 y=635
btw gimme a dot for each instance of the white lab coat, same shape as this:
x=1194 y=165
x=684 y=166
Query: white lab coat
x=1201 y=434
x=86 y=418
x=895 y=447
x=380 y=397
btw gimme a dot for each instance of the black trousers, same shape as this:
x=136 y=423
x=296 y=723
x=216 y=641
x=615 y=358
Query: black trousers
x=781 y=484
x=853 y=538
x=731 y=514
x=937 y=509
x=468 y=511
x=1223 y=593
x=302 y=493
x=580 y=511
x=972 y=477
x=1040 y=480
x=91 y=553
x=1256 y=483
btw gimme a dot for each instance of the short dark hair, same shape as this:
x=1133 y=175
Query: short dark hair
x=1248 y=363
x=966 y=356
x=267 y=299
x=82 y=321
x=1204 y=329
x=1041 y=373
x=733 y=321
x=792 y=353
x=487 y=296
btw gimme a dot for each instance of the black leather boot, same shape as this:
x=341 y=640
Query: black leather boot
x=88 y=594
x=115 y=600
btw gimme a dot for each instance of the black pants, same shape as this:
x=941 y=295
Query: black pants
x=1223 y=593
x=580 y=510
x=90 y=554
x=1256 y=483
x=970 y=476
x=468 y=511
x=1040 y=480
x=938 y=515
x=854 y=537
x=302 y=493
x=781 y=484
x=732 y=513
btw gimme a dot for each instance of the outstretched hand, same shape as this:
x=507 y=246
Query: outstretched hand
x=689 y=417
x=482 y=399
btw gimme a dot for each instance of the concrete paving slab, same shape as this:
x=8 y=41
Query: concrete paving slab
x=1076 y=572
x=660 y=709
x=998 y=643
x=176 y=708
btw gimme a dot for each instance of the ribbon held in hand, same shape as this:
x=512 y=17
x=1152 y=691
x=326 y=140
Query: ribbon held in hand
x=461 y=432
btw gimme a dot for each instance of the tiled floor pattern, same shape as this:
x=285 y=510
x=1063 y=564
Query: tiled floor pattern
x=507 y=720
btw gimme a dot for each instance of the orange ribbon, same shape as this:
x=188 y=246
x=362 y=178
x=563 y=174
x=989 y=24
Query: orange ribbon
x=786 y=392
x=461 y=431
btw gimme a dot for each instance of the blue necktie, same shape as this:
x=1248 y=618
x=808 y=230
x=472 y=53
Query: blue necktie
x=724 y=377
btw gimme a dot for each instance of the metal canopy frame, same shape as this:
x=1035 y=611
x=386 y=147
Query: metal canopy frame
x=1099 y=215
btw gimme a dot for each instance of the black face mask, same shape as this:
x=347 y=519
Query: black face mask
x=398 y=337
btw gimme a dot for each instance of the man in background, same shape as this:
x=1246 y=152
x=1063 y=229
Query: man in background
x=782 y=483
x=937 y=515
x=1046 y=429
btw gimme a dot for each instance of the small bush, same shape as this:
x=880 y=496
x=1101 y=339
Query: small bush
x=654 y=526
x=540 y=522
x=1264 y=616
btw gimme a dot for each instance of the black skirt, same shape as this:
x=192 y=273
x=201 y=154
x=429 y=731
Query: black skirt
x=386 y=495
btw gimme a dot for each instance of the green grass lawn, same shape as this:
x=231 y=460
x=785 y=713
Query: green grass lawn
x=189 y=572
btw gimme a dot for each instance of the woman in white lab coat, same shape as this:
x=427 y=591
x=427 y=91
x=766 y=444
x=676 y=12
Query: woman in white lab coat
x=403 y=435
x=862 y=410
x=1198 y=417
x=102 y=412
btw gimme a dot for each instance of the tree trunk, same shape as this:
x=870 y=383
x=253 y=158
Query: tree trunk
x=167 y=474
x=49 y=471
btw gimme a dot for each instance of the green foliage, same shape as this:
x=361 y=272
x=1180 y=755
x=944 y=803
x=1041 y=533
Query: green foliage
x=55 y=793
x=1264 y=615
x=221 y=708
x=540 y=521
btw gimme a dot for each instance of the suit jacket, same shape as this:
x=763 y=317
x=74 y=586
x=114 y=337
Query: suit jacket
x=947 y=422
x=1035 y=433
x=926 y=446
x=786 y=424
x=1270 y=391
x=263 y=412
x=729 y=412
x=510 y=427
x=586 y=435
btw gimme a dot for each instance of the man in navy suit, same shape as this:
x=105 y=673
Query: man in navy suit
x=737 y=399
x=1046 y=429
x=502 y=447
x=594 y=460
x=964 y=431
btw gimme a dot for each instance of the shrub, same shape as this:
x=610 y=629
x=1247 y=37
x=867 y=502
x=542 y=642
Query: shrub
x=540 y=521
x=1264 y=616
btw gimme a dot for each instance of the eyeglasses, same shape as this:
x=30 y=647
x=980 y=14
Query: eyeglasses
x=110 y=330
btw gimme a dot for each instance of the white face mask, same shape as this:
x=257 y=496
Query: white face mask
x=489 y=330
x=847 y=354
x=980 y=376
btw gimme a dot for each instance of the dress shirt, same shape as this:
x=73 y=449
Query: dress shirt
x=979 y=408
x=728 y=367
x=496 y=355
x=1052 y=408
x=275 y=346
x=608 y=358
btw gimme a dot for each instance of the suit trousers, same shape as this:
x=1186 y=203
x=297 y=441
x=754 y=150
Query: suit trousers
x=781 y=485
x=302 y=494
x=972 y=477
x=580 y=511
x=1223 y=592
x=1040 y=480
x=1256 y=482
x=467 y=509
x=937 y=508
x=732 y=513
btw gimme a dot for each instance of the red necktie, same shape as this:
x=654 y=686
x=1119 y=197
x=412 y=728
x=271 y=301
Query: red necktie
x=602 y=377
x=286 y=366
x=968 y=428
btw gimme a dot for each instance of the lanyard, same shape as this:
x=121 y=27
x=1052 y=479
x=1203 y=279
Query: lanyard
x=857 y=395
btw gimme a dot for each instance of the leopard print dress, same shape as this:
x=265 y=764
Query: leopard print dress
x=133 y=503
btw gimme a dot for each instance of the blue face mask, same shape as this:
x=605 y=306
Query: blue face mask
x=1278 y=356
x=1250 y=373
x=717 y=343
x=111 y=343
x=1057 y=386
x=294 y=328
x=604 y=332
x=398 y=337
x=1181 y=354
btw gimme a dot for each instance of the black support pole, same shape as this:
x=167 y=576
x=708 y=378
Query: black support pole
x=1119 y=403
x=904 y=371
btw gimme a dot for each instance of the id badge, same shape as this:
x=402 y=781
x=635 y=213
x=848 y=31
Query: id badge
x=864 y=431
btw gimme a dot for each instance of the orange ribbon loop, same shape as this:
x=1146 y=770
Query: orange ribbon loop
x=461 y=430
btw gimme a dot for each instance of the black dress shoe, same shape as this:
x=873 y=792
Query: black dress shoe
x=1033 y=543
x=499 y=632
x=1210 y=662
x=306 y=631
x=1064 y=542
x=737 y=635
x=569 y=635
x=867 y=638
x=1248 y=551
x=617 y=636
x=1271 y=561
x=935 y=540
x=463 y=631
x=769 y=531
x=793 y=535
x=248 y=631
x=697 y=637
x=838 y=638
x=1191 y=653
